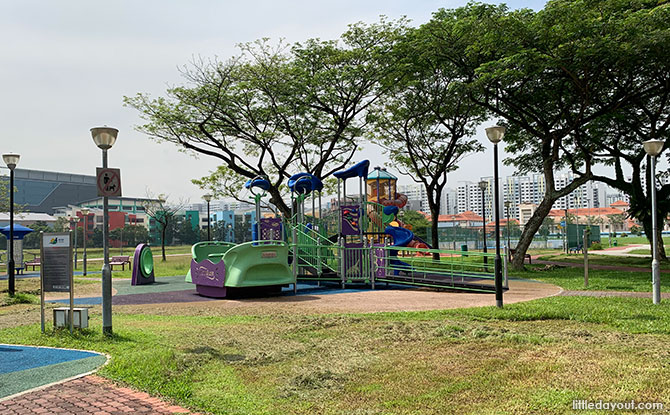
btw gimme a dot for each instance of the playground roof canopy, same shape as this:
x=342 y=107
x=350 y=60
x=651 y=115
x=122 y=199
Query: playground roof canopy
x=381 y=174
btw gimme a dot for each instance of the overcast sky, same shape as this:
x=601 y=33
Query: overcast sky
x=66 y=66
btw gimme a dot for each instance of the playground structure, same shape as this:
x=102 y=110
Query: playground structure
x=358 y=240
x=143 y=266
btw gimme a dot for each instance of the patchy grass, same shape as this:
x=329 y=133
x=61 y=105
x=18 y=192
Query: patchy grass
x=571 y=278
x=533 y=357
x=629 y=240
x=617 y=261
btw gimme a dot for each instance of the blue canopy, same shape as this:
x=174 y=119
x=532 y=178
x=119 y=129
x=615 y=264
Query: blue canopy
x=359 y=169
x=305 y=183
x=20 y=231
x=257 y=182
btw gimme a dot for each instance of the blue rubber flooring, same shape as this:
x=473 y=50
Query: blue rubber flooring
x=17 y=358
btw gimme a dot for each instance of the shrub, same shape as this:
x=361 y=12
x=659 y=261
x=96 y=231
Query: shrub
x=596 y=246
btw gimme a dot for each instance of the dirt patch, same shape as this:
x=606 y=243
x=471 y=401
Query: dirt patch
x=355 y=302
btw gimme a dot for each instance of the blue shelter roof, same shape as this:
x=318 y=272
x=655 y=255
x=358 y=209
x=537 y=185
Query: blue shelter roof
x=19 y=231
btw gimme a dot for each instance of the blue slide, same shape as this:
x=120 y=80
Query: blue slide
x=401 y=237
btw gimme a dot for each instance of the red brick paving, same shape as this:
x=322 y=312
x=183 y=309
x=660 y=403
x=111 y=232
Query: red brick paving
x=88 y=395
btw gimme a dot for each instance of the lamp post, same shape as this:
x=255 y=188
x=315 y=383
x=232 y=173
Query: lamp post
x=495 y=135
x=84 y=212
x=484 y=185
x=208 y=198
x=653 y=149
x=75 y=220
x=508 y=203
x=104 y=138
x=11 y=160
x=230 y=233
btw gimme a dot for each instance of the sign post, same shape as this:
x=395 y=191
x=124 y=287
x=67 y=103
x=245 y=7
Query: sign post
x=109 y=182
x=56 y=268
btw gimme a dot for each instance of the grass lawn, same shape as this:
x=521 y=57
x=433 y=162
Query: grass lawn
x=533 y=357
x=605 y=260
x=629 y=240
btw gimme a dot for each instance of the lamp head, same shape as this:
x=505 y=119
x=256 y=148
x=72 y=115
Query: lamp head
x=84 y=211
x=495 y=133
x=104 y=137
x=653 y=147
x=483 y=185
x=207 y=197
x=11 y=160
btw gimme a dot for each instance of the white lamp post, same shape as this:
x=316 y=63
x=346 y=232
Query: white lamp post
x=653 y=148
x=75 y=220
x=104 y=138
x=84 y=212
x=11 y=160
x=495 y=135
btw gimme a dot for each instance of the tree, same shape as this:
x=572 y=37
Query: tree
x=186 y=233
x=425 y=120
x=62 y=224
x=419 y=224
x=163 y=213
x=274 y=110
x=616 y=221
x=32 y=240
x=635 y=230
x=547 y=75
x=130 y=235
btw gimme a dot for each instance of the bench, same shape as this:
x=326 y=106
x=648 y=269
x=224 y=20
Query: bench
x=527 y=256
x=119 y=260
x=35 y=262
x=576 y=250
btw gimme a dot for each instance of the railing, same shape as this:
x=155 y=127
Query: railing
x=454 y=269
x=316 y=253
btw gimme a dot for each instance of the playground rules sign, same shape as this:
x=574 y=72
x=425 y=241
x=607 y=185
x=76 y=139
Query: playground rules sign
x=56 y=262
x=109 y=182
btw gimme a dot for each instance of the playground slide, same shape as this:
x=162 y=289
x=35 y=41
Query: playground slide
x=217 y=266
x=401 y=237
x=399 y=201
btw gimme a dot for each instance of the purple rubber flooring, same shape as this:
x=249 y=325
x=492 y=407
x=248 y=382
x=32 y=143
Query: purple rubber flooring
x=182 y=296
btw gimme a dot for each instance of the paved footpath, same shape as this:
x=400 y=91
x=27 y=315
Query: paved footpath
x=88 y=395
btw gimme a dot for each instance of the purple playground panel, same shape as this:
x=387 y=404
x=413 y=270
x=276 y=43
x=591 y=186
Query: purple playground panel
x=209 y=278
x=350 y=220
x=379 y=256
x=271 y=229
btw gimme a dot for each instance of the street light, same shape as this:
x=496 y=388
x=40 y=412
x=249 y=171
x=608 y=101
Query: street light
x=484 y=185
x=84 y=212
x=653 y=149
x=104 y=138
x=75 y=220
x=508 y=203
x=11 y=160
x=495 y=135
x=208 y=198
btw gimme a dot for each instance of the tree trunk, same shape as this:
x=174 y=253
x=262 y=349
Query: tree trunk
x=434 y=218
x=276 y=199
x=529 y=231
x=163 y=240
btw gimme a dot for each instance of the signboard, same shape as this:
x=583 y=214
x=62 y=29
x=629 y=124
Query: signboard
x=109 y=182
x=56 y=262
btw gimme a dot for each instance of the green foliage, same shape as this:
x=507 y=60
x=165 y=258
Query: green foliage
x=417 y=221
x=275 y=109
x=32 y=240
x=130 y=235
x=636 y=230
